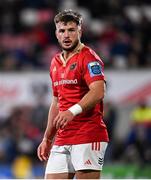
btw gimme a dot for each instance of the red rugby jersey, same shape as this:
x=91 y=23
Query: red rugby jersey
x=70 y=83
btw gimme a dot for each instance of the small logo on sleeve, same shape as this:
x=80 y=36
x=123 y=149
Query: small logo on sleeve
x=94 y=68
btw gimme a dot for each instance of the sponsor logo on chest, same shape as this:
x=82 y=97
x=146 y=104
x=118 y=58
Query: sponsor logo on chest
x=65 y=81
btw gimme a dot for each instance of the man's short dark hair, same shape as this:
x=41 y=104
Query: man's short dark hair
x=68 y=15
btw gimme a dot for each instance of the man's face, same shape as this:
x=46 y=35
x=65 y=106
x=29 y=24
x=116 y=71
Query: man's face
x=68 y=35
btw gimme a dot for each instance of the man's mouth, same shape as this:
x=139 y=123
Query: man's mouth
x=67 y=42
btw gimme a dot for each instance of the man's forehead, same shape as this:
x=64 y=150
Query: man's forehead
x=63 y=24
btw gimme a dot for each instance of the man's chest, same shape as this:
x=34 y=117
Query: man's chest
x=67 y=76
x=70 y=71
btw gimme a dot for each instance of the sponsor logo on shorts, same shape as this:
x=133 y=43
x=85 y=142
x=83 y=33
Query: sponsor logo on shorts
x=88 y=162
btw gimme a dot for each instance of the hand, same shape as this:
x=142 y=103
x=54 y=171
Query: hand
x=43 y=150
x=62 y=119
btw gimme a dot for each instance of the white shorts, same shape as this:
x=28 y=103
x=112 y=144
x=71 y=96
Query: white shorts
x=71 y=158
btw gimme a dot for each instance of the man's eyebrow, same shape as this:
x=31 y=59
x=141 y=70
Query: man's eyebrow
x=61 y=29
x=72 y=28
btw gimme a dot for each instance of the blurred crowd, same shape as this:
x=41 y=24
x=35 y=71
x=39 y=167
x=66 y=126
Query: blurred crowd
x=22 y=131
x=20 y=135
x=118 y=30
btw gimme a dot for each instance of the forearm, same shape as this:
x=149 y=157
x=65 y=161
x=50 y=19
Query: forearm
x=90 y=100
x=50 y=129
x=94 y=96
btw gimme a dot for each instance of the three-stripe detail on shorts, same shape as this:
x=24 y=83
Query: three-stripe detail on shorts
x=96 y=146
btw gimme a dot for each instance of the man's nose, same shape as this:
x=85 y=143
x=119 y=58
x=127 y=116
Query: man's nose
x=66 y=34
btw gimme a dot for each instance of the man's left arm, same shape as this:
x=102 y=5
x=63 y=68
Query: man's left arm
x=91 y=98
x=95 y=95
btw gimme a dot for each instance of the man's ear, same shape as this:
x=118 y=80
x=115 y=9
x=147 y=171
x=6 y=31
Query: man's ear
x=56 y=34
x=80 y=32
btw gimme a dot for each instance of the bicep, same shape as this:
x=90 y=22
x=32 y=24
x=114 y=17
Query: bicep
x=98 y=87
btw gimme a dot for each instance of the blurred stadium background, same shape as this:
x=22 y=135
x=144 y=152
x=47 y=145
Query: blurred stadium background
x=120 y=32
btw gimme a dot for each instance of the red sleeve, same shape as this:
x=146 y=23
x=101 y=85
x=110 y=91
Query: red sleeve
x=93 y=68
x=54 y=89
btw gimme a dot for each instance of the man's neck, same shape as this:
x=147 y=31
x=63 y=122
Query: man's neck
x=67 y=54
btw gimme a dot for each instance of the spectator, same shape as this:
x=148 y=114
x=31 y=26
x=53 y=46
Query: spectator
x=139 y=139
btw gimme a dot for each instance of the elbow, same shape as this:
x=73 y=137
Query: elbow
x=102 y=94
x=100 y=97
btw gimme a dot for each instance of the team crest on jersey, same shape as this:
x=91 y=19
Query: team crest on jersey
x=94 y=68
x=73 y=66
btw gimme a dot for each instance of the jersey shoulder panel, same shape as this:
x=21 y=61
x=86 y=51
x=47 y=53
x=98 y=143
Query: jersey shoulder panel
x=90 y=54
x=92 y=66
x=54 y=62
x=87 y=56
x=54 y=59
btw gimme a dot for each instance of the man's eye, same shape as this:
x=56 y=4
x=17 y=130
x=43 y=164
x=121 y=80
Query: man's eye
x=61 y=31
x=71 y=30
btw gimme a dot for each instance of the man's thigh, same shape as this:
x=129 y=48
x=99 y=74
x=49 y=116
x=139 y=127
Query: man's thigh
x=88 y=174
x=60 y=176
x=59 y=162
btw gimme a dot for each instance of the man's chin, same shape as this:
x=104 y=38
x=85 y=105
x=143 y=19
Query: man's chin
x=68 y=48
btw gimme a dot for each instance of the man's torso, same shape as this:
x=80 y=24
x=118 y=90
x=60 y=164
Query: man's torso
x=70 y=83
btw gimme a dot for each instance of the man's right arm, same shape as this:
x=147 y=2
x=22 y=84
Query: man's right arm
x=53 y=111
x=45 y=146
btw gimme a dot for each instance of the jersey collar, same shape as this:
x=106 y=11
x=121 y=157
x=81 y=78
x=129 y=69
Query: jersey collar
x=77 y=50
